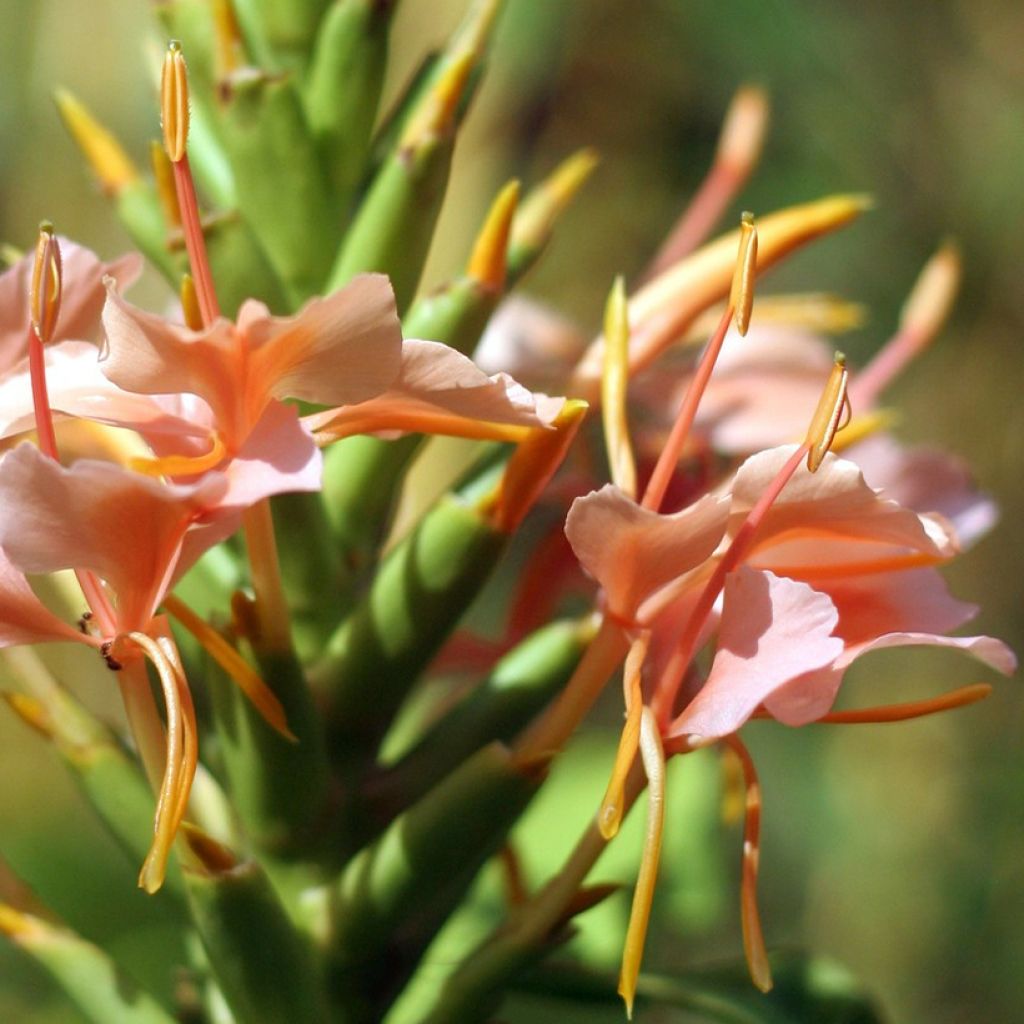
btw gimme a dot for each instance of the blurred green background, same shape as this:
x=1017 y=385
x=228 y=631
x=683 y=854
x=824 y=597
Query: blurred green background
x=898 y=850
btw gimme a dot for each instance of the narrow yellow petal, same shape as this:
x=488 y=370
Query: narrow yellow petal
x=247 y=679
x=614 y=387
x=181 y=465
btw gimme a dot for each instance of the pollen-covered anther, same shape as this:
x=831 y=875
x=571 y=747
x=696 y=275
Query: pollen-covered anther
x=174 y=102
x=831 y=415
x=741 y=295
x=47 y=279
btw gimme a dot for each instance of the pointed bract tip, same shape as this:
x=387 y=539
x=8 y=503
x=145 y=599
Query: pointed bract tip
x=435 y=116
x=174 y=110
x=46 y=286
x=741 y=294
x=743 y=130
x=545 y=203
x=104 y=154
x=472 y=35
x=30 y=711
x=489 y=260
x=827 y=419
x=931 y=299
x=228 y=47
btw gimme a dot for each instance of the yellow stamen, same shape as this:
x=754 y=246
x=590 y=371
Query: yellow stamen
x=931 y=299
x=166 y=190
x=435 y=116
x=174 y=113
x=488 y=262
x=741 y=294
x=181 y=465
x=190 y=310
x=105 y=155
x=753 y=936
x=614 y=386
x=959 y=698
x=247 y=679
x=609 y=817
x=532 y=465
x=45 y=291
x=653 y=756
x=743 y=131
x=828 y=416
x=543 y=204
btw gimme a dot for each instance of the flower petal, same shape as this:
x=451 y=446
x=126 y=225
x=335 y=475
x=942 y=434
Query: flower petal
x=338 y=350
x=635 y=553
x=125 y=527
x=24 y=619
x=773 y=630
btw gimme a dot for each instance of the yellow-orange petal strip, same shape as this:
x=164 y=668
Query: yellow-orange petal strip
x=489 y=259
x=653 y=756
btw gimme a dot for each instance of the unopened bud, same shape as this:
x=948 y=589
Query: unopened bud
x=489 y=260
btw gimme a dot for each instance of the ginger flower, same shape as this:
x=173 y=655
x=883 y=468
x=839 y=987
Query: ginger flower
x=137 y=536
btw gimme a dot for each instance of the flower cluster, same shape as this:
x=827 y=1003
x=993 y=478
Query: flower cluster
x=221 y=488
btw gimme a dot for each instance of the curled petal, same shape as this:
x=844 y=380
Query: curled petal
x=635 y=553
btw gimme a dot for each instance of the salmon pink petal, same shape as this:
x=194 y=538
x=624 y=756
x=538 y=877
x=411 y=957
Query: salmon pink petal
x=126 y=528
x=773 y=630
x=24 y=619
x=82 y=297
x=146 y=354
x=437 y=388
x=279 y=456
x=338 y=350
x=635 y=553
x=915 y=600
x=927 y=480
x=818 y=514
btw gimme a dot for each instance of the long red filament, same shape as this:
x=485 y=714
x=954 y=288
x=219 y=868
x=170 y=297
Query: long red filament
x=195 y=243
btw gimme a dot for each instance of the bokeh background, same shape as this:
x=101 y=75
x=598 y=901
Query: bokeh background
x=898 y=850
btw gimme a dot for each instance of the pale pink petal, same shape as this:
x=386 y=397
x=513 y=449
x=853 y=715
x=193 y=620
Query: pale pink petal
x=146 y=354
x=532 y=342
x=437 y=383
x=77 y=387
x=812 y=524
x=338 y=350
x=279 y=456
x=927 y=480
x=809 y=697
x=635 y=554
x=126 y=528
x=24 y=619
x=82 y=297
x=773 y=630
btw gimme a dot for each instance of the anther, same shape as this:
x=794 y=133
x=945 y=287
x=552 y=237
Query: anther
x=174 y=101
x=45 y=292
x=833 y=407
x=741 y=295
